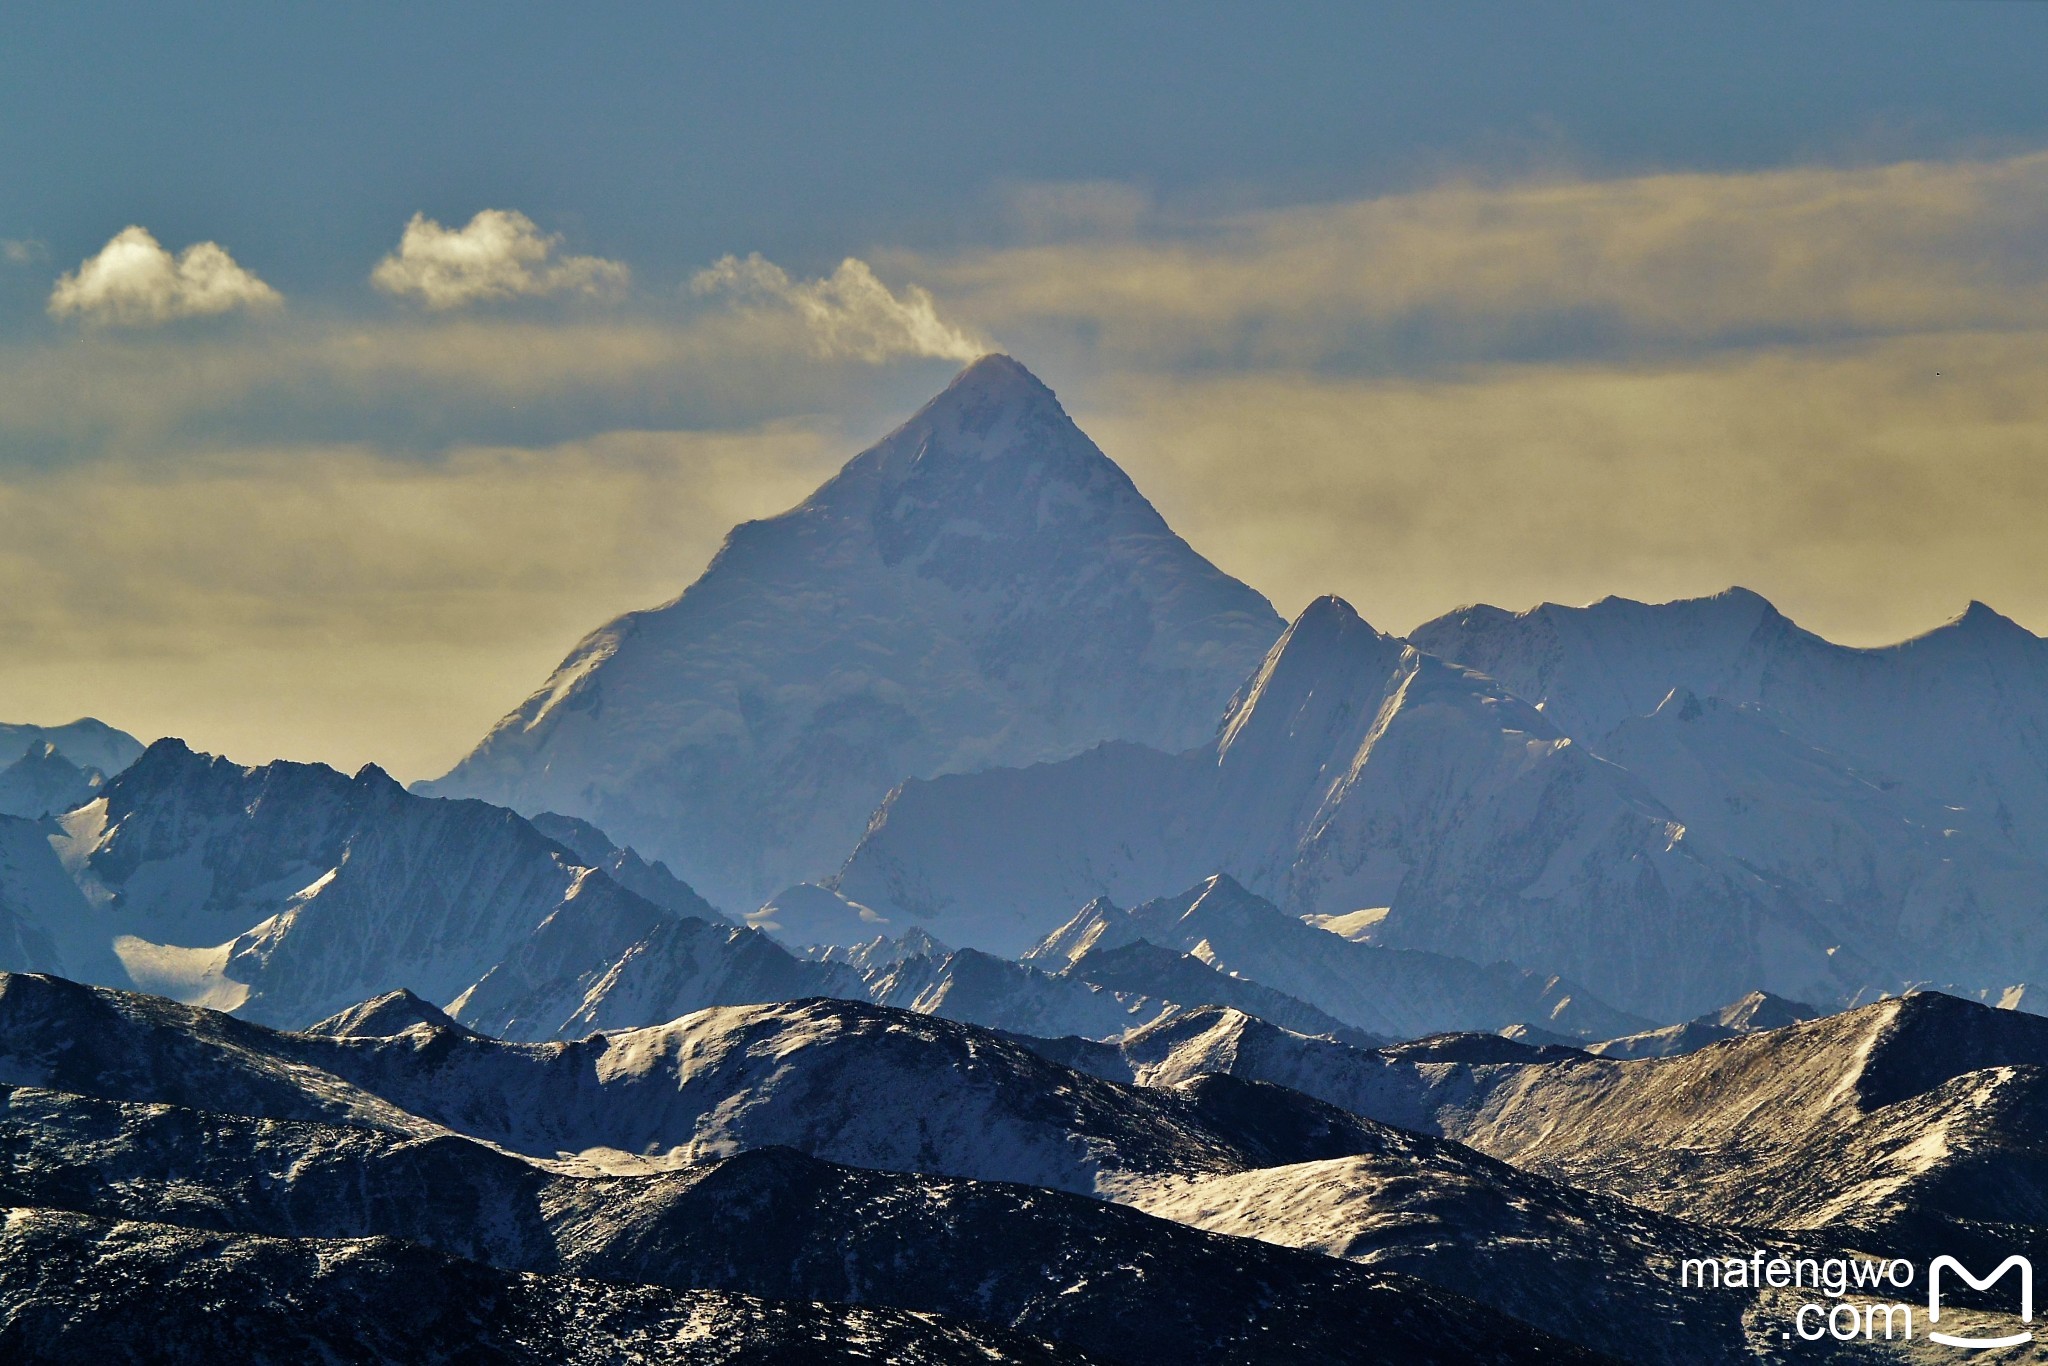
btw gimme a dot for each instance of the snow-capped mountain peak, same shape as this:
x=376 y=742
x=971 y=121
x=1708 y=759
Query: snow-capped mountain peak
x=982 y=586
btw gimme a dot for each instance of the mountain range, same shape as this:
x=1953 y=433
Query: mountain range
x=1107 y=972
x=1668 y=861
x=1459 y=1198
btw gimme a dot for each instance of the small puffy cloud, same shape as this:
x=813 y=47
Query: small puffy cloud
x=848 y=313
x=501 y=254
x=22 y=252
x=135 y=282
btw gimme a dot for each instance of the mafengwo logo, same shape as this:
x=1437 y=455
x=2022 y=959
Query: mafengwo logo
x=1940 y=1264
x=1855 y=1288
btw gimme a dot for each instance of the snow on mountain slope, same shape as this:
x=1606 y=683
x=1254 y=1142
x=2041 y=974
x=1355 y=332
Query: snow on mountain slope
x=123 y=1045
x=1591 y=1268
x=983 y=586
x=773 y=1223
x=1389 y=992
x=624 y=866
x=1915 y=885
x=1412 y=1086
x=75 y=1289
x=845 y=1081
x=1356 y=772
x=1753 y=1014
x=979 y=988
x=1099 y=994
x=291 y=891
x=1958 y=715
x=1142 y=967
x=392 y=1013
x=807 y=916
x=85 y=742
x=1914 y=1126
x=1760 y=1129
x=1918 y=1112
x=646 y=969
x=43 y=782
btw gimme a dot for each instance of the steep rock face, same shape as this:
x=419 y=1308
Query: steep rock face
x=1899 y=793
x=1358 y=778
x=291 y=891
x=1140 y=966
x=981 y=587
x=1102 y=992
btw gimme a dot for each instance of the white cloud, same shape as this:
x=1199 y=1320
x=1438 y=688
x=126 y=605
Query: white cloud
x=501 y=254
x=135 y=282
x=848 y=313
x=22 y=251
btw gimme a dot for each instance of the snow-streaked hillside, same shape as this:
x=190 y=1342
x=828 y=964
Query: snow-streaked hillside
x=803 y=1075
x=291 y=891
x=771 y=1223
x=983 y=586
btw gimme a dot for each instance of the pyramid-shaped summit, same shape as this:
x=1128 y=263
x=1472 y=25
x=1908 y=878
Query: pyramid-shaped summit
x=982 y=586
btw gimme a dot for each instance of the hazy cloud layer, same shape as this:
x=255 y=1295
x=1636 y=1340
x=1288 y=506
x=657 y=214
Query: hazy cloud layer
x=848 y=313
x=328 y=603
x=135 y=282
x=499 y=254
x=1540 y=270
x=1870 y=489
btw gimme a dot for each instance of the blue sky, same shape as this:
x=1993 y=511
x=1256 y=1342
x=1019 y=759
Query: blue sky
x=1421 y=304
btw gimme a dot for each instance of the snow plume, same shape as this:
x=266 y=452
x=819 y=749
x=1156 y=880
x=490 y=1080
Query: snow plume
x=135 y=282
x=501 y=254
x=848 y=313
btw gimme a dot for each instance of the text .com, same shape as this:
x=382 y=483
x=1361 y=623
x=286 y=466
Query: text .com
x=1872 y=1282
